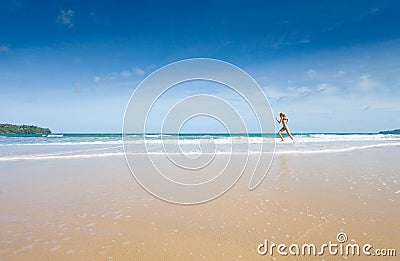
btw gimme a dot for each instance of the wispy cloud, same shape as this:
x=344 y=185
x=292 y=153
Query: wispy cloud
x=274 y=93
x=65 y=17
x=284 y=40
x=325 y=88
x=365 y=83
x=304 y=90
x=122 y=75
x=96 y=79
x=298 y=93
x=125 y=74
x=138 y=71
x=4 y=49
x=311 y=73
x=340 y=73
x=128 y=73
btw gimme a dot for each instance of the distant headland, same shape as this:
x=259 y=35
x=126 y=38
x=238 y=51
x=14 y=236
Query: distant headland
x=390 y=132
x=22 y=129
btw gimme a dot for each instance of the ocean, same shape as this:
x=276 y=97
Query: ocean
x=64 y=146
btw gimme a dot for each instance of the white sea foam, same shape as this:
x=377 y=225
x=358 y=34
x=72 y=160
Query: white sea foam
x=337 y=150
x=55 y=136
x=66 y=147
x=58 y=157
x=65 y=143
x=348 y=137
x=291 y=149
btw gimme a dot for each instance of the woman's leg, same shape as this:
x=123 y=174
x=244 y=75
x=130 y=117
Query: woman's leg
x=288 y=132
x=280 y=133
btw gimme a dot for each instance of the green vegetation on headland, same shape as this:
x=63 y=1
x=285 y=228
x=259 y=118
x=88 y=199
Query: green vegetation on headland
x=390 y=132
x=22 y=129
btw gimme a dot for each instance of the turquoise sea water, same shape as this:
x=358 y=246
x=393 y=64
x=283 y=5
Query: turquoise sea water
x=59 y=146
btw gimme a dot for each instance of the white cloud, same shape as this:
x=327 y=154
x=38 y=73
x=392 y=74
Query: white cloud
x=304 y=90
x=274 y=93
x=125 y=74
x=365 y=83
x=113 y=76
x=65 y=17
x=138 y=71
x=304 y=41
x=311 y=73
x=97 y=79
x=340 y=73
x=298 y=93
x=325 y=88
x=134 y=71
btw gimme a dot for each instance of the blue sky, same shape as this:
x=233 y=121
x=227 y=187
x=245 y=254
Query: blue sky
x=331 y=66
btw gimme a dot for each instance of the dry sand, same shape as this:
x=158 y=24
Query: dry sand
x=92 y=209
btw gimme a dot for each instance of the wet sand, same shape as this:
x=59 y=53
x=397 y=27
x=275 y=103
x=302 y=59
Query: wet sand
x=92 y=209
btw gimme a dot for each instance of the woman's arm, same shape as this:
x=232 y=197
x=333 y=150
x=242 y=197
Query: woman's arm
x=279 y=121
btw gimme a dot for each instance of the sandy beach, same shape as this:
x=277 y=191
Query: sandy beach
x=93 y=209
